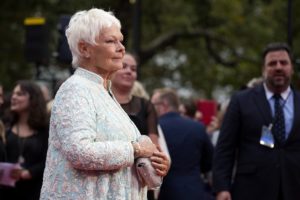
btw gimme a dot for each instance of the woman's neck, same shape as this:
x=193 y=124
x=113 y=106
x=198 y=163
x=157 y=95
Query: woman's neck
x=105 y=75
x=22 y=128
x=122 y=95
x=23 y=118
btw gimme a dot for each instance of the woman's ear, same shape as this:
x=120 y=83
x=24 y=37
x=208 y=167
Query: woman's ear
x=83 y=48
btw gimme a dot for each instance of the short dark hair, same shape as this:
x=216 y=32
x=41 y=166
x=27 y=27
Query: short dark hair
x=190 y=107
x=170 y=96
x=277 y=46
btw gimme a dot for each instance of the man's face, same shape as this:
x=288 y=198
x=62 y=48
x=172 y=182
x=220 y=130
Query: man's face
x=158 y=104
x=277 y=70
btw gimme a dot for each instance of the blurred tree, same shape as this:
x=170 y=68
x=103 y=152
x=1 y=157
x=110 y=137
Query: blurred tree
x=197 y=45
x=221 y=41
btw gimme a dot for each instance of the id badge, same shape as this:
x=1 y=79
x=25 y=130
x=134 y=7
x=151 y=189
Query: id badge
x=267 y=138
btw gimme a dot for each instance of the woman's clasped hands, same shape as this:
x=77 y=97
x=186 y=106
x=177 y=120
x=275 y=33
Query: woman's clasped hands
x=158 y=159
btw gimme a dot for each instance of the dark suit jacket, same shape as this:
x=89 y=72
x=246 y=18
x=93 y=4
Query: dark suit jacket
x=191 y=153
x=261 y=173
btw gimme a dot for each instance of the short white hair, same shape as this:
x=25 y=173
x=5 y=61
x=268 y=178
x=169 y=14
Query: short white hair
x=85 y=26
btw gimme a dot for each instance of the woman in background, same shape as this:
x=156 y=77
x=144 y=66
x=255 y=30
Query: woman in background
x=2 y=127
x=139 y=109
x=26 y=140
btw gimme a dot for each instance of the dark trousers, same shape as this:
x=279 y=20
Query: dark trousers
x=150 y=195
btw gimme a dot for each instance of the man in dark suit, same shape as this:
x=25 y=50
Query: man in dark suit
x=189 y=147
x=258 y=141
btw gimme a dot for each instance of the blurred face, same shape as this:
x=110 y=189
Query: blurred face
x=278 y=70
x=45 y=92
x=126 y=76
x=1 y=96
x=19 y=100
x=182 y=110
x=158 y=104
x=106 y=56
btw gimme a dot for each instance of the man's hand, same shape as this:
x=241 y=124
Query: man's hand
x=223 y=195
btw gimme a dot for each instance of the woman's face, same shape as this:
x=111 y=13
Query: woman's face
x=107 y=55
x=126 y=76
x=19 y=100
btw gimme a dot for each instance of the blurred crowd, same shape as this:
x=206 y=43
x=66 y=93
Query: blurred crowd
x=24 y=126
x=244 y=148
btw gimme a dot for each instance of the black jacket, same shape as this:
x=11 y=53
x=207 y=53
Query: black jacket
x=261 y=173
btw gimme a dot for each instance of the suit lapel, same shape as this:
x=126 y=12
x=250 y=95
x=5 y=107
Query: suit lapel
x=262 y=104
x=296 y=121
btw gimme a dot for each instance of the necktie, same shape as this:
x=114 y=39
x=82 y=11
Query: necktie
x=279 y=125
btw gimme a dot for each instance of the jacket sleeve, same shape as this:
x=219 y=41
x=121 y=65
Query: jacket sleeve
x=74 y=122
x=207 y=154
x=225 y=152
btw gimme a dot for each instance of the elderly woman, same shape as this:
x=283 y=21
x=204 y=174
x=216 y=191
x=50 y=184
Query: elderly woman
x=92 y=141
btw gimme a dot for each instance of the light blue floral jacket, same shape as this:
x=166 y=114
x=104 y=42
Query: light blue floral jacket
x=90 y=156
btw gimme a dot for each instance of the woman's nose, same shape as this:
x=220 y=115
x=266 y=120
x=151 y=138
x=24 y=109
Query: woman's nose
x=13 y=96
x=121 y=47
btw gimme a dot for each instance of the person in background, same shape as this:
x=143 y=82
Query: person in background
x=213 y=128
x=58 y=83
x=2 y=127
x=189 y=146
x=139 y=90
x=256 y=81
x=46 y=93
x=2 y=152
x=1 y=95
x=26 y=140
x=2 y=142
x=260 y=136
x=188 y=108
x=140 y=110
x=92 y=141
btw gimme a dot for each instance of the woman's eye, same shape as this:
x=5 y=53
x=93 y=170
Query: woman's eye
x=133 y=69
